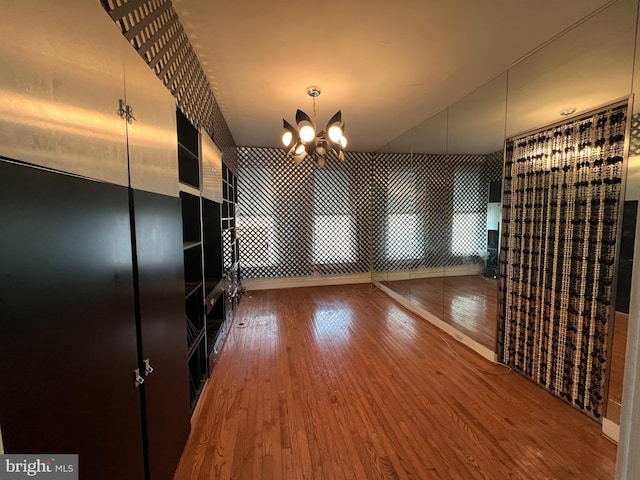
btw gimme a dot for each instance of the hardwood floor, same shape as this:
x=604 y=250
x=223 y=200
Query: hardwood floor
x=467 y=302
x=470 y=304
x=340 y=382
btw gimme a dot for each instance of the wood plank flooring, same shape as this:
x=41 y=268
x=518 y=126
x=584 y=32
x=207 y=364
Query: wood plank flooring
x=340 y=382
x=470 y=304
x=467 y=302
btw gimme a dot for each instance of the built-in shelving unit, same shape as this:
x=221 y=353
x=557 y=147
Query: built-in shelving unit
x=215 y=295
x=211 y=274
x=229 y=187
x=189 y=176
x=230 y=254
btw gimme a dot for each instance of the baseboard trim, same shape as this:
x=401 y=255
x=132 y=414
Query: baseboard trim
x=319 y=280
x=295 y=282
x=445 y=327
x=611 y=430
x=198 y=407
x=455 y=271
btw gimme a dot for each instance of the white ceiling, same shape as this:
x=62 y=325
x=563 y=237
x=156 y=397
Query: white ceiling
x=387 y=65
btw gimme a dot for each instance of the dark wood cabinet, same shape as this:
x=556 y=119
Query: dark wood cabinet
x=81 y=308
x=161 y=287
x=68 y=343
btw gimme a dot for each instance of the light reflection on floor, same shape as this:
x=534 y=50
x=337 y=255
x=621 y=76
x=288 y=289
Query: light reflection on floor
x=401 y=325
x=269 y=330
x=469 y=303
x=332 y=325
x=472 y=306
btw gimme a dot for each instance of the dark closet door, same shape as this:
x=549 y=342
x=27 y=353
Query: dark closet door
x=625 y=257
x=158 y=224
x=67 y=325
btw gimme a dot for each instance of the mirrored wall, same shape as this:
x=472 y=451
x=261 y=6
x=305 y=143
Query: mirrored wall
x=438 y=248
x=445 y=178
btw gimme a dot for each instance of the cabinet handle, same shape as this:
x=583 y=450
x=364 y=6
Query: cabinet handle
x=122 y=109
x=125 y=111
x=137 y=378
x=148 y=369
x=129 y=114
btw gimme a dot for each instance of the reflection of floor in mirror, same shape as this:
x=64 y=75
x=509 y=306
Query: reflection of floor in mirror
x=619 y=346
x=469 y=302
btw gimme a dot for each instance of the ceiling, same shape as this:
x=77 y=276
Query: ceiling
x=386 y=65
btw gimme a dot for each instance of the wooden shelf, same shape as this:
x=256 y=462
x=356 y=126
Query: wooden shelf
x=194 y=346
x=190 y=288
x=188 y=245
x=188 y=150
x=212 y=287
x=190 y=189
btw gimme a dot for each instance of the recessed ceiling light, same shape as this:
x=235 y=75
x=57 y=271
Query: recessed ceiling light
x=567 y=112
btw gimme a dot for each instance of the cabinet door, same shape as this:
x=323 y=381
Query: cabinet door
x=67 y=325
x=60 y=84
x=162 y=327
x=152 y=135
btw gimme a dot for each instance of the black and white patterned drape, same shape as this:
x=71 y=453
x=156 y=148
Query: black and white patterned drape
x=561 y=199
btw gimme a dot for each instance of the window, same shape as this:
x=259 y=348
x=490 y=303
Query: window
x=257 y=239
x=464 y=232
x=469 y=218
x=333 y=239
x=403 y=231
x=255 y=223
x=333 y=225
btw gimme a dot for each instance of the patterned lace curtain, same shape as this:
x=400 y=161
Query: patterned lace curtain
x=561 y=200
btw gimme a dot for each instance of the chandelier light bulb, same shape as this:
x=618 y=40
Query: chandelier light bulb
x=299 y=149
x=307 y=133
x=335 y=132
x=287 y=137
x=343 y=141
x=298 y=158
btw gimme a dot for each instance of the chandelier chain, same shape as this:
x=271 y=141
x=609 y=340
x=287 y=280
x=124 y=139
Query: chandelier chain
x=314 y=113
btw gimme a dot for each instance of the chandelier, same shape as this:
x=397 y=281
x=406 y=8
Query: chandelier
x=305 y=141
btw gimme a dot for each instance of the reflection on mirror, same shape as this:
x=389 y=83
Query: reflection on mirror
x=625 y=261
x=410 y=261
x=623 y=289
x=589 y=66
x=476 y=136
x=454 y=158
